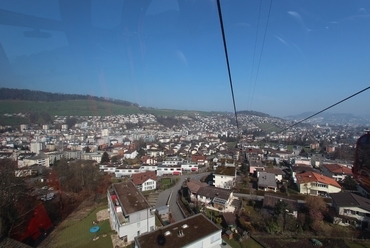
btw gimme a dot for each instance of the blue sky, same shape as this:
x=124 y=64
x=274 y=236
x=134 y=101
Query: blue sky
x=169 y=54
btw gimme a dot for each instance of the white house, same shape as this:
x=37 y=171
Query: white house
x=315 y=184
x=130 y=154
x=130 y=214
x=224 y=177
x=192 y=232
x=352 y=209
x=145 y=180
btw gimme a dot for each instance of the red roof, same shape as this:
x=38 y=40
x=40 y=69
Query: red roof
x=338 y=169
x=310 y=176
x=140 y=178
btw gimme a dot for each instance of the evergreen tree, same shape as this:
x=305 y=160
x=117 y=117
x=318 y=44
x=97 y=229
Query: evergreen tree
x=105 y=158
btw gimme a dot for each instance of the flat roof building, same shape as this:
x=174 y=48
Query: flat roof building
x=195 y=231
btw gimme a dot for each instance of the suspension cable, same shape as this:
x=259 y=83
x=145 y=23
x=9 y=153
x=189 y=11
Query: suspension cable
x=227 y=62
x=345 y=99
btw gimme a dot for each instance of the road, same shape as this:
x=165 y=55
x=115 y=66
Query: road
x=163 y=196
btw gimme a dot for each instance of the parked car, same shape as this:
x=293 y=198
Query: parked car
x=51 y=188
x=45 y=187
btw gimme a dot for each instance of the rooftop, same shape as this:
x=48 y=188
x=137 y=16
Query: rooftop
x=225 y=170
x=179 y=234
x=212 y=192
x=308 y=177
x=338 y=169
x=140 y=178
x=348 y=199
x=129 y=197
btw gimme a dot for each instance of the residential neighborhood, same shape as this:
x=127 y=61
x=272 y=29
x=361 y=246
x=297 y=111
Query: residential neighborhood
x=201 y=171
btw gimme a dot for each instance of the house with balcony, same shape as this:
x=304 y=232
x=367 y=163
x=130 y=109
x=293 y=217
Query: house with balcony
x=351 y=209
x=192 y=232
x=129 y=212
x=145 y=181
x=312 y=183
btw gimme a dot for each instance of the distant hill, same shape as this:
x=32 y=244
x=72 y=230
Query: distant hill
x=251 y=112
x=41 y=96
x=331 y=118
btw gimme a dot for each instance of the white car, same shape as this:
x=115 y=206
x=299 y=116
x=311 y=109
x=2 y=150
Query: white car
x=45 y=187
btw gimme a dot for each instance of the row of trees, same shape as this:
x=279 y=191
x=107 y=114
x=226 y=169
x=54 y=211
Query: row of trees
x=34 y=95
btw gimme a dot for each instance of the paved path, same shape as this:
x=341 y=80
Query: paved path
x=163 y=196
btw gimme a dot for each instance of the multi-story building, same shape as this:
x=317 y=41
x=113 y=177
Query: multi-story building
x=224 y=177
x=130 y=214
x=195 y=231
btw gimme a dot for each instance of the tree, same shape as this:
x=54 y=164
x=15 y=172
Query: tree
x=14 y=201
x=317 y=208
x=349 y=183
x=105 y=158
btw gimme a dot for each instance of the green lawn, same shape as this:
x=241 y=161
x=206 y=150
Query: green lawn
x=78 y=234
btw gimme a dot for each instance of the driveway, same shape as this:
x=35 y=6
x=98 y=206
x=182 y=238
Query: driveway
x=164 y=195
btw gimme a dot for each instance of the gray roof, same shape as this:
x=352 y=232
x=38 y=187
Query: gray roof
x=266 y=180
x=212 y=192
x=348 y=199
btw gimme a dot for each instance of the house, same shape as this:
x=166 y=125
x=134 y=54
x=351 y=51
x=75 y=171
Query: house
x=130 y=154
x=192 y=232
x=267 y=182
x=276 y=171
x=129 y=213
x=224 y=177
x=336 y=171
x=199 y=159
x=315 y=184
x=351 y=209
x=217 y=198
x=145 y=180
x=193 y=187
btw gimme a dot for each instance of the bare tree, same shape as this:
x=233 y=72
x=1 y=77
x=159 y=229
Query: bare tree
x=13 y=193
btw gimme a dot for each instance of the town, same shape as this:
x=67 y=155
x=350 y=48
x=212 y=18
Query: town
x=141 y=180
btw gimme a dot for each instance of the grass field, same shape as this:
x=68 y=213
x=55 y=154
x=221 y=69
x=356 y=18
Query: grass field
x=268 y=127
x=78 y=234
x=83 y=108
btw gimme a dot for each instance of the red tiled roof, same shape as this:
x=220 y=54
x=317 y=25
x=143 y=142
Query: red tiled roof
x=310 y=176
x=338 y=169
x=140 y=178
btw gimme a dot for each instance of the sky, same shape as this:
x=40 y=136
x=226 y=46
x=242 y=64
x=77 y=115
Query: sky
x=286 y=57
